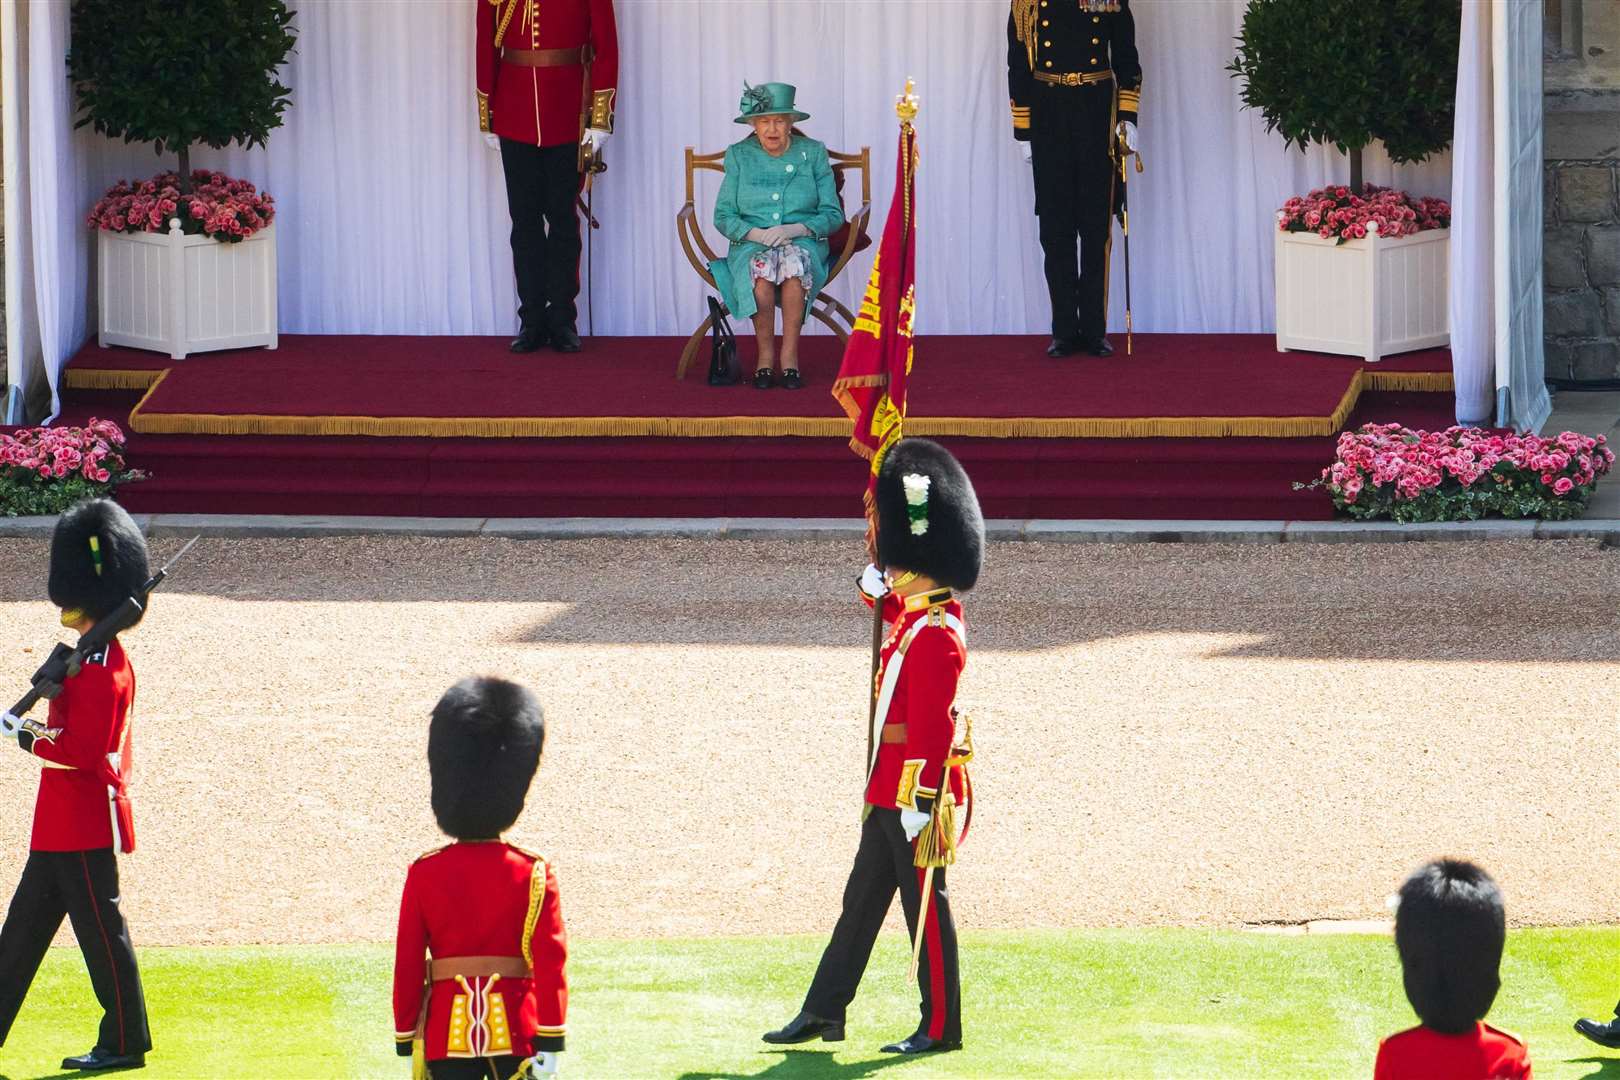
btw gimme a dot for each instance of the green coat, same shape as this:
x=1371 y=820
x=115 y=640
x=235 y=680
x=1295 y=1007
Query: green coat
x=760 y=191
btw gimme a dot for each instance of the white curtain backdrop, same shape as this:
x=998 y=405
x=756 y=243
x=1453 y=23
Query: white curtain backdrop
x=393 y=217
x=1473 y=224
x=47 y=247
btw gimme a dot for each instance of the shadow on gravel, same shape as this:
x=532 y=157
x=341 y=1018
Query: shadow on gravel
x=1536 y=602
x=808 y=1065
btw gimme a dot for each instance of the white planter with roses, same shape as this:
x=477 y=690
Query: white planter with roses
x=186 y=272
x=1362 y=275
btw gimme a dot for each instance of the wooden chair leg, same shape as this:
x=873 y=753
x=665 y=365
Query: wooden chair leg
x=692 y=344
x=832 y=324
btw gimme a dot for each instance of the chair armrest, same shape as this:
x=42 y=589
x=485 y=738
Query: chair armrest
x=690 y=233
x=857 y=226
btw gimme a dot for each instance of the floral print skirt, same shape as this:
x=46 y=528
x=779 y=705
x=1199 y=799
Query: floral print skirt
x=778 y=264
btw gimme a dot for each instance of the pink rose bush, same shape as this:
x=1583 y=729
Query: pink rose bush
x=219 y=207
x=1463 y=474
x=1335 y=212
x=45 y=470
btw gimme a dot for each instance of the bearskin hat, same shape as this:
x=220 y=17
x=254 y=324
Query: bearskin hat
x=1449 y=930
x=98 y=558
x=928 y=518
x=483 y=748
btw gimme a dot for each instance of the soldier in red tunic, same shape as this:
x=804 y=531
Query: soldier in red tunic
x=930 y=539
x=478 y=962
x=1449 y=930
x=548 y=71
x=98 y=559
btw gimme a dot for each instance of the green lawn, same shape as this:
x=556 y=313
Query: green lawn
x=1151 y=1003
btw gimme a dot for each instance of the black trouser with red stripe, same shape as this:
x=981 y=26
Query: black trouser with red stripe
x=83 y=885
x=883 y=865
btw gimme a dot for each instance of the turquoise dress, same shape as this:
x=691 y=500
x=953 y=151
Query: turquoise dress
x=760 y=191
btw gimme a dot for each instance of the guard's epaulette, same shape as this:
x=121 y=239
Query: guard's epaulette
x=1505 y=1034
x=430 y=854
x=535 y=855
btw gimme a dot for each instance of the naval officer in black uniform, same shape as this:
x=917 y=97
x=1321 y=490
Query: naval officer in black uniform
x=1076 y=83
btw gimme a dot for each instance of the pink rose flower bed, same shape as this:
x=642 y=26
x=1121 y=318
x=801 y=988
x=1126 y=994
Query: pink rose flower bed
x=1463 y=474
x=47 y=469
x=1334 y=212
x=218 y=207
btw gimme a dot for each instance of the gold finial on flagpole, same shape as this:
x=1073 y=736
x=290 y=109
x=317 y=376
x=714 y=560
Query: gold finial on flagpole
x=905 y=106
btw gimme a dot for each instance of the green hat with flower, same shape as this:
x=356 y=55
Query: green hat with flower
x=769 y=99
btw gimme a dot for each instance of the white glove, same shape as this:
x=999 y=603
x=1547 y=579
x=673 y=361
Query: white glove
x=9 y=725
x=1027 y=152
x=596 y=139
x=873 y=583
x=777 y=235
x=542 y=1064
x=913 y=821
x=794 y=230
x=1127 y=132
x=492 y=140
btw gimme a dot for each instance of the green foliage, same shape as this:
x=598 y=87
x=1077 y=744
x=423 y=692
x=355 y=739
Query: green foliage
x=1089 y=1003
x=178 y=72
x=1347 y=72
x=24 y=493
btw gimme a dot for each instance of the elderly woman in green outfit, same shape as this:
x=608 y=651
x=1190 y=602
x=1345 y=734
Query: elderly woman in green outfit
x=777 y=206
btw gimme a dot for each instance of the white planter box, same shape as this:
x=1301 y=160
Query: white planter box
x=1370 y=298
x=181 y=294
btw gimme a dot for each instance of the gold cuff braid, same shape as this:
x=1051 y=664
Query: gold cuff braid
x=602 y=110
x=483 y=111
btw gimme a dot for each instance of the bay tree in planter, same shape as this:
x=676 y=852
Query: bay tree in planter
x=196 y=270
x=1347 y=73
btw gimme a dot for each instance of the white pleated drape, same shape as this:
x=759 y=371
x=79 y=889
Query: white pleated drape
x=1473 y=224
x=393 y=217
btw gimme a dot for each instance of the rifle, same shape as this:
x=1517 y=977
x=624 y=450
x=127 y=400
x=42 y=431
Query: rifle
x=64 y=662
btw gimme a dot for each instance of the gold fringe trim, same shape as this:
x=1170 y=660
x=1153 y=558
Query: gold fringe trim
x=111 y=378
x=1425 y=382
x=719 y=427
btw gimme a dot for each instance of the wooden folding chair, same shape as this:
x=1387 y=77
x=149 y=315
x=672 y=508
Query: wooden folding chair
x=831 y=313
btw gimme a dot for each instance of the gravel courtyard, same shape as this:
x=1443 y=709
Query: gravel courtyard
x=1210 y=735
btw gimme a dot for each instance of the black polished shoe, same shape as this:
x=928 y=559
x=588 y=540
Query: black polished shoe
x=99 y=1060
x=530 y=339
x=807 y=1026
x=1063 y=347
x=919 y=1043
x=764 y=378
x=791 y=379
x=1097 y=346
x=1603 y=1034
x=565 y=339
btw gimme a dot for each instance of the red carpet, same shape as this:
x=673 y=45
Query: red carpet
x=754 y=464
x=1174 y=386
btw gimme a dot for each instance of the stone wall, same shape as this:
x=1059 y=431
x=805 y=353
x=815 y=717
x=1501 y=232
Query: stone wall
x=1582 y=242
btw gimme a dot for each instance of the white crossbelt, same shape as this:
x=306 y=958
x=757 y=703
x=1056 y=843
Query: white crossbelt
x=891 y=679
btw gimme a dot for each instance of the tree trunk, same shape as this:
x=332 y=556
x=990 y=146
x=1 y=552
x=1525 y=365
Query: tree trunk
x=1355 y=170
x=185 y=170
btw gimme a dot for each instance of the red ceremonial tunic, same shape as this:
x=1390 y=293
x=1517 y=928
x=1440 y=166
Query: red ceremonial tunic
x=481 y=899
x=922 y=699
x=1421 y=1053
x=88 y=721
x=541 y=105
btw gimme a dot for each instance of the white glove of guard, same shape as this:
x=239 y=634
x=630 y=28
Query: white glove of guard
x=542 y=1064
x=492 y=140
x=913 y=821
x=872 y=583
x=1127 y=132
x=9 y=725
x=596 y=139
x=1027 y=152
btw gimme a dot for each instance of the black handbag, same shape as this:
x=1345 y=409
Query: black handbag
x=724 y=368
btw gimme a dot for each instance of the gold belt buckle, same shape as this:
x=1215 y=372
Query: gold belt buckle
x=1071 y=78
